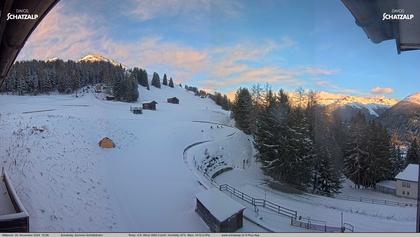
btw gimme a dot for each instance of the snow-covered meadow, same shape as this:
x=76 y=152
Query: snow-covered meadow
x=49 y=146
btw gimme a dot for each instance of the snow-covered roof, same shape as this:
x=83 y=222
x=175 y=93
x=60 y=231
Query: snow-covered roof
x=410 y=173
x=219 y=205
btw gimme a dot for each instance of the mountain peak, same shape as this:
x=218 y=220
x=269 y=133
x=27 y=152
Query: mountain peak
x=414 y=98
x=99 y=58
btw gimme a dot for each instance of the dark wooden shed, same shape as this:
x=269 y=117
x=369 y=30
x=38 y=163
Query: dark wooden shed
x=173 y=100
x=220 y=212
x=150 y=105
x=13 y=216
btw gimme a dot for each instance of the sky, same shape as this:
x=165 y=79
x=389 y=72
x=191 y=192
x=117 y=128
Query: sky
x=221 y=45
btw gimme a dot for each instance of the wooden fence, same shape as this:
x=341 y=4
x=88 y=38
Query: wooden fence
x=259 y=202
x=376 y=201
x=319 y=225
x=307 y=223
x=15 y=222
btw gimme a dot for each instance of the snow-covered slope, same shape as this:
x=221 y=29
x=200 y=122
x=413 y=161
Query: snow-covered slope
x=49 y=146
x=98 y=58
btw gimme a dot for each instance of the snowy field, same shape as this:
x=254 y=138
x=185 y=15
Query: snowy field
x=49 y=146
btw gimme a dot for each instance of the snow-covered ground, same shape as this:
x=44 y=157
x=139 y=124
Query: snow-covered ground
x=49 y=146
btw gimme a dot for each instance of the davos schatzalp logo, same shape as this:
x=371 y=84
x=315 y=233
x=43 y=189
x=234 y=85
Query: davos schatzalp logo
x=397 y=14
x=21 y=14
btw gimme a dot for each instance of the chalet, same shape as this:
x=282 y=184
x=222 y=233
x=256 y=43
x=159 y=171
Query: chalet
x=110 y=97
x=218 y=211
x=136 y=109
x=406 y=182
x=173 y=100
x=150 y=105
x=13 y=216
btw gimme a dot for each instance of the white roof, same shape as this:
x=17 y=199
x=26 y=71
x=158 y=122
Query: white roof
x=410 y=173
x=219 y=205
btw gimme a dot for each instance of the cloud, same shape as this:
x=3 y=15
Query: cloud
x=381 y=90
x=72 y=35
x=69 y=34
x=241 y=64
x=149 y=9
x=64 y=35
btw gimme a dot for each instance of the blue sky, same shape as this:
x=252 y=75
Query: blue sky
x=222 y=45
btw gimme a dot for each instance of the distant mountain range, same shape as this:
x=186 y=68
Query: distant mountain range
x=399 y=117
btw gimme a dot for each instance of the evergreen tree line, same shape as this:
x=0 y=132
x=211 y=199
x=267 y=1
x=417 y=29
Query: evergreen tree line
x=297 y=143
x=369 y=154
x=35 y=77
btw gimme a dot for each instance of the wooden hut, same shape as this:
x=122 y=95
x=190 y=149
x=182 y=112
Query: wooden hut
x=136 y=110
x=106 y=143
x=173 y=100
x=150 y=105
x=13 y=216
x=220 y=212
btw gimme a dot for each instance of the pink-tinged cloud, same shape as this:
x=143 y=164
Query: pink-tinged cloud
x=381 y=90
x=149 y=9
x=72 y=35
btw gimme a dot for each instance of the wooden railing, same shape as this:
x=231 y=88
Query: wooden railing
x=376 y=201
x=15 y=222
x=319 y=225
x=259 y=202
x=307 y=223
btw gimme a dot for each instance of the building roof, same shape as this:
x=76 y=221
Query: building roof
x=410 y=173
x=369 y=15
x=219 y=205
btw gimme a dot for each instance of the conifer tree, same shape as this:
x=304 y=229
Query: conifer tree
x=156 y=80
x=356 y=155
x=241 y=109
x=171 y=83
x=165 y=80
x=413 y=153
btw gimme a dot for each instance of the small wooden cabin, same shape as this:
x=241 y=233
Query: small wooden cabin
x=13 y=216
x=106 y=143
x=220 y=212
x=150 y=105
x=136 y=110
x=173 y=100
